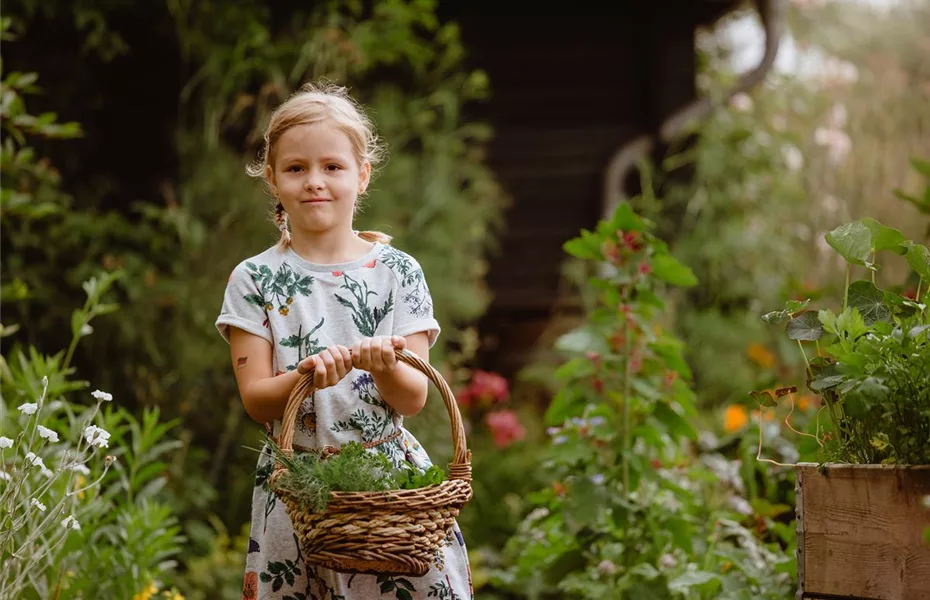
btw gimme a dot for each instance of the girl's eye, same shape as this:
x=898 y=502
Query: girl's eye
x=332 y=167
x=294 y=168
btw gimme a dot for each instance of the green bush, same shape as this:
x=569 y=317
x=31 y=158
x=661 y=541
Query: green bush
x=633 y=512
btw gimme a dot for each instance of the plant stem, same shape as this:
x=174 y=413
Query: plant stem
x=817 y=344
x=626 y=406
x=806 y=362
x=917 y=294
x=871 y=270
x=846 y=291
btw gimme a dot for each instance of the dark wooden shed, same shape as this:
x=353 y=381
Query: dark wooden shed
x=569 y=90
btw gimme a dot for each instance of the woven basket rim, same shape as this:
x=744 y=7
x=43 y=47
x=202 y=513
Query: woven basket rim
x=387 y=498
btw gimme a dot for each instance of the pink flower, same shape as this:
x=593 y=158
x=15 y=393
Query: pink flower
x=370 y=265
x=485 y=389
x=337 y=273
x=645 y=268
x=505 y=427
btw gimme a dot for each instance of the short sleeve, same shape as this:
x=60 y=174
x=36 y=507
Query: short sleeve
x=243 y=305
x=413 y=310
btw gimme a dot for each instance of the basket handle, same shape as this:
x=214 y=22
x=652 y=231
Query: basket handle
x=460 y=467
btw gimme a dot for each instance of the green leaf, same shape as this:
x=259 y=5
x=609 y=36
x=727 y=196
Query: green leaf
x=667 y=268
x=870 y=301
x=885 y=238
x=806 y=327
x=625 y=219
x=677 y=426
x=776 y=317
x=585 y=247
x=918 y=257
x=580 y=340
x=922 y=166
x=765 y=398
x=852 y=241
x=689 y=579
x=824 y=383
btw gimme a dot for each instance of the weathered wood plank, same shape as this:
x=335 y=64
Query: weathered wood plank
x=860 y=532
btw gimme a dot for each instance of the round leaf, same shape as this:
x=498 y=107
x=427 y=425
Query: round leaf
x=885 y=238
x=918 y=256
x=806 y=327
x=852 y=241
x=870 y=301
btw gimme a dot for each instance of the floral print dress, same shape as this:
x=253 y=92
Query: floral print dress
x=301 y=308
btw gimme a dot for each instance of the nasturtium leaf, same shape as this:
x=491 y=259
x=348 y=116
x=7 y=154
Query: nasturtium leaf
x=870 y=301
x=806 y=327
x=852 y=241
x=776 y=317
x=885 y=238
x=765 y=398
x=918 y=256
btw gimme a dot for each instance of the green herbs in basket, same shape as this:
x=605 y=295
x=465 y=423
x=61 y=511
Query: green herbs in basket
x=311 y=479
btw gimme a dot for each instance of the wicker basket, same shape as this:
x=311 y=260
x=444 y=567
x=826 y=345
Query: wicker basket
x=395 y=532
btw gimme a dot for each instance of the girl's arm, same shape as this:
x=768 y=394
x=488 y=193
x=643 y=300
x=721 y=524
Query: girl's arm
x=265 y=395
x=401 y=386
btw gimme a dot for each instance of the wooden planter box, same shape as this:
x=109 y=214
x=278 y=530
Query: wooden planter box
x=860 y=530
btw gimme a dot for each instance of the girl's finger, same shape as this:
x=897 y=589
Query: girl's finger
x=399 y=341
x=329 y=364
x=388 y=358
x=339 y=363
x=346 y=358
x=365 y=352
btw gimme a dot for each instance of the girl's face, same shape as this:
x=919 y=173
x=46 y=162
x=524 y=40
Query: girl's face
x=316 y=178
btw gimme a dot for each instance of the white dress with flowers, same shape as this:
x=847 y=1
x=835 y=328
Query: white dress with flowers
x=302 y=308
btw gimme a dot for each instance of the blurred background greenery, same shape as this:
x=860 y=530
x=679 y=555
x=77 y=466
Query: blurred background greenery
x=153 y=190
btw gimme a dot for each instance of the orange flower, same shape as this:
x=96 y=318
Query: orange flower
x=804 y=402
x=734 y=418
x=760 y=355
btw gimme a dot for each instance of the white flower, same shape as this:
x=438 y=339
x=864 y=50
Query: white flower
x=87 y=329
x=837 y=142
x=741 y=102
x=606 y=567
x=37 y=504
x=102 y=395
x=837 y=117
x=739 y=505
x=79 y=468
x=47 y=472
x=35 y=461
x=29 y=408
x=6 y=442
x=794 y=160
x=668 y=561
x=5 y=476
x=598 y=479
x=48 y=434
x=71 y=522
x=96 y=436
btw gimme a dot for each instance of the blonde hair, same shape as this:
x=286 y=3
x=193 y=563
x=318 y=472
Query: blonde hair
x=315 y=103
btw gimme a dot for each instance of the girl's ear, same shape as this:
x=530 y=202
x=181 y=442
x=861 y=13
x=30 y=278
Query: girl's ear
x=364 y=176
x=269 y=177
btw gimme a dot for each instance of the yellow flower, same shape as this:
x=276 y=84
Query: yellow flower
x=283 y=310
x=760 y=355
x=734 y=418
x=146 y=594
x=78 y=484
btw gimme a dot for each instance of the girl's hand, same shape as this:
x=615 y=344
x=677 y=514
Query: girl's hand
x=376 y=354
x=329 y=366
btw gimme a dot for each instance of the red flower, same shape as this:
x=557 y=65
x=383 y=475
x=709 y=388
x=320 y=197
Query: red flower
x=505 y=427
x=250 y=586
x=631 y=240
x=911 y=293
x=645 y=268
x=337 y=273
x=370 y=265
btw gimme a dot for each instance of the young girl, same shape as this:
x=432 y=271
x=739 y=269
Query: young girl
x=339 y=302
